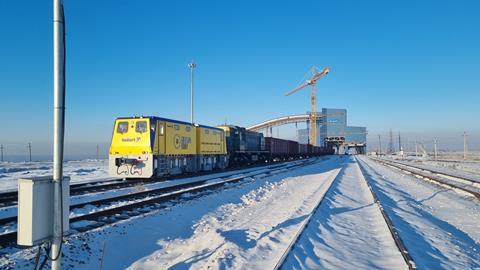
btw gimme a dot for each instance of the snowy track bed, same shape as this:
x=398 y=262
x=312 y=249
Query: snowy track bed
x=439 y=227
x=93 y=205
x=250 y=218
x=436 y=167
x=464 y=185
x=80 y=171
x=347 y=231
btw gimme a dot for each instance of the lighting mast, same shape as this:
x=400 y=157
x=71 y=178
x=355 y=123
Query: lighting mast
x=192 y=67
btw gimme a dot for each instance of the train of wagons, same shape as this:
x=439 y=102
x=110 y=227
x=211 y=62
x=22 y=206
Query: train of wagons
x=145 y=147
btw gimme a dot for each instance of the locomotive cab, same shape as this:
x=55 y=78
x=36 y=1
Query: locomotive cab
x=131 y=148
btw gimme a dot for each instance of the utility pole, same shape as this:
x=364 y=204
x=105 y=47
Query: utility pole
x=97 y=153
x=379 y=144
x=416 y=148
x=58 y=129
x=399 y=142
x=465 y=149
x=390 y=143
x=192 y=67
x=30 y=151
x=1 y=149
x=435 y=148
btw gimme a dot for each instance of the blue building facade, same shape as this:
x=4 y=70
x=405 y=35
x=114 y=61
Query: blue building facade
x=332 y=127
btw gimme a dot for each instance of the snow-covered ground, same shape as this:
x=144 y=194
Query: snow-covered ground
x=347 y=231
x=440 y=228
x=78 y=170
x=12 y=210
x=250 y=224
x=245 y=226
x=456 y=165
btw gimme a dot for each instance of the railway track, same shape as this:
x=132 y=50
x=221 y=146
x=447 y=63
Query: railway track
x=470 y=177
x=10 y=198
x=393 y=231
x=468 y=185
x=302 y=228
x=395 y=235
x=11 y=220
x=146 y=201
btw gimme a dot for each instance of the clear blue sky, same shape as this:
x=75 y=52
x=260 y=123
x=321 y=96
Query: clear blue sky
x=408 y=65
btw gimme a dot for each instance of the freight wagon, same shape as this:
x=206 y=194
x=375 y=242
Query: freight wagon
x=244 y=146
x=302 y=149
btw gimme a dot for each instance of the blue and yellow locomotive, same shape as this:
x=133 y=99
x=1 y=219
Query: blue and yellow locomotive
x=144 y=147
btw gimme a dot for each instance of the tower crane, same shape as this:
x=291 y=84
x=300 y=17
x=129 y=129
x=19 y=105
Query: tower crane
x=316 y=75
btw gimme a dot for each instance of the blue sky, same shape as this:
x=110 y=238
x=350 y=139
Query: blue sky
x=407 y=65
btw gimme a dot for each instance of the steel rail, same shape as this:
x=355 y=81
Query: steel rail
x=433 y=171
x=391 y=227
x=304 y=225
x=445 y=182
x=9 y=238
x=10 y=198
x=10 y=219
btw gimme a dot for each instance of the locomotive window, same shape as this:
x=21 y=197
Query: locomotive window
x=206 y=131
x=122 y=127
x=161 y=129
x=176 y=127
x=141 y=126
x=188 y=128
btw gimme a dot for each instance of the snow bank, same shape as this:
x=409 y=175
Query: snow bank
x=78 y=170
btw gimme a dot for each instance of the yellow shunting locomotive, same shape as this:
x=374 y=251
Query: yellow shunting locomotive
x=144 y=147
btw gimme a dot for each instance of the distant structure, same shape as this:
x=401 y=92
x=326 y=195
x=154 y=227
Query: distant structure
x=391 y=148
x=316 y=75
x=332 y=124
x=379 y=145
x=30 y=151
x=335 y=133
x=423 y=150
x=465 y=147
x=399 y=142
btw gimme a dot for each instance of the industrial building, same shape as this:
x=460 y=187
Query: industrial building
x=334 y=132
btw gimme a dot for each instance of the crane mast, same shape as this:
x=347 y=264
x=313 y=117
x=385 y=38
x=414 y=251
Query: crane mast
x=312 y=136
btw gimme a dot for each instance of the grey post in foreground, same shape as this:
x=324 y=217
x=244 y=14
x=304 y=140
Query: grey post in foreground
x=58 y=127
x=192 y=67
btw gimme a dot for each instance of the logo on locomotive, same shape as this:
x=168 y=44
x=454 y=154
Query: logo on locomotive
x=136 y=140
x=181 y=142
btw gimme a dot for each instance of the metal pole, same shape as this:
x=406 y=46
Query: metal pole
x=399 y=142
x=416 y=149
x=379 y=144
x=435 y=147
x=97 y=152
x=464 y=145
x=30 y=151
x=1 y=147
x=192 y=67
x=58 y=128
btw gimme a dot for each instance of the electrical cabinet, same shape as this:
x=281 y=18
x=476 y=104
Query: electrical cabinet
x=35 y=209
